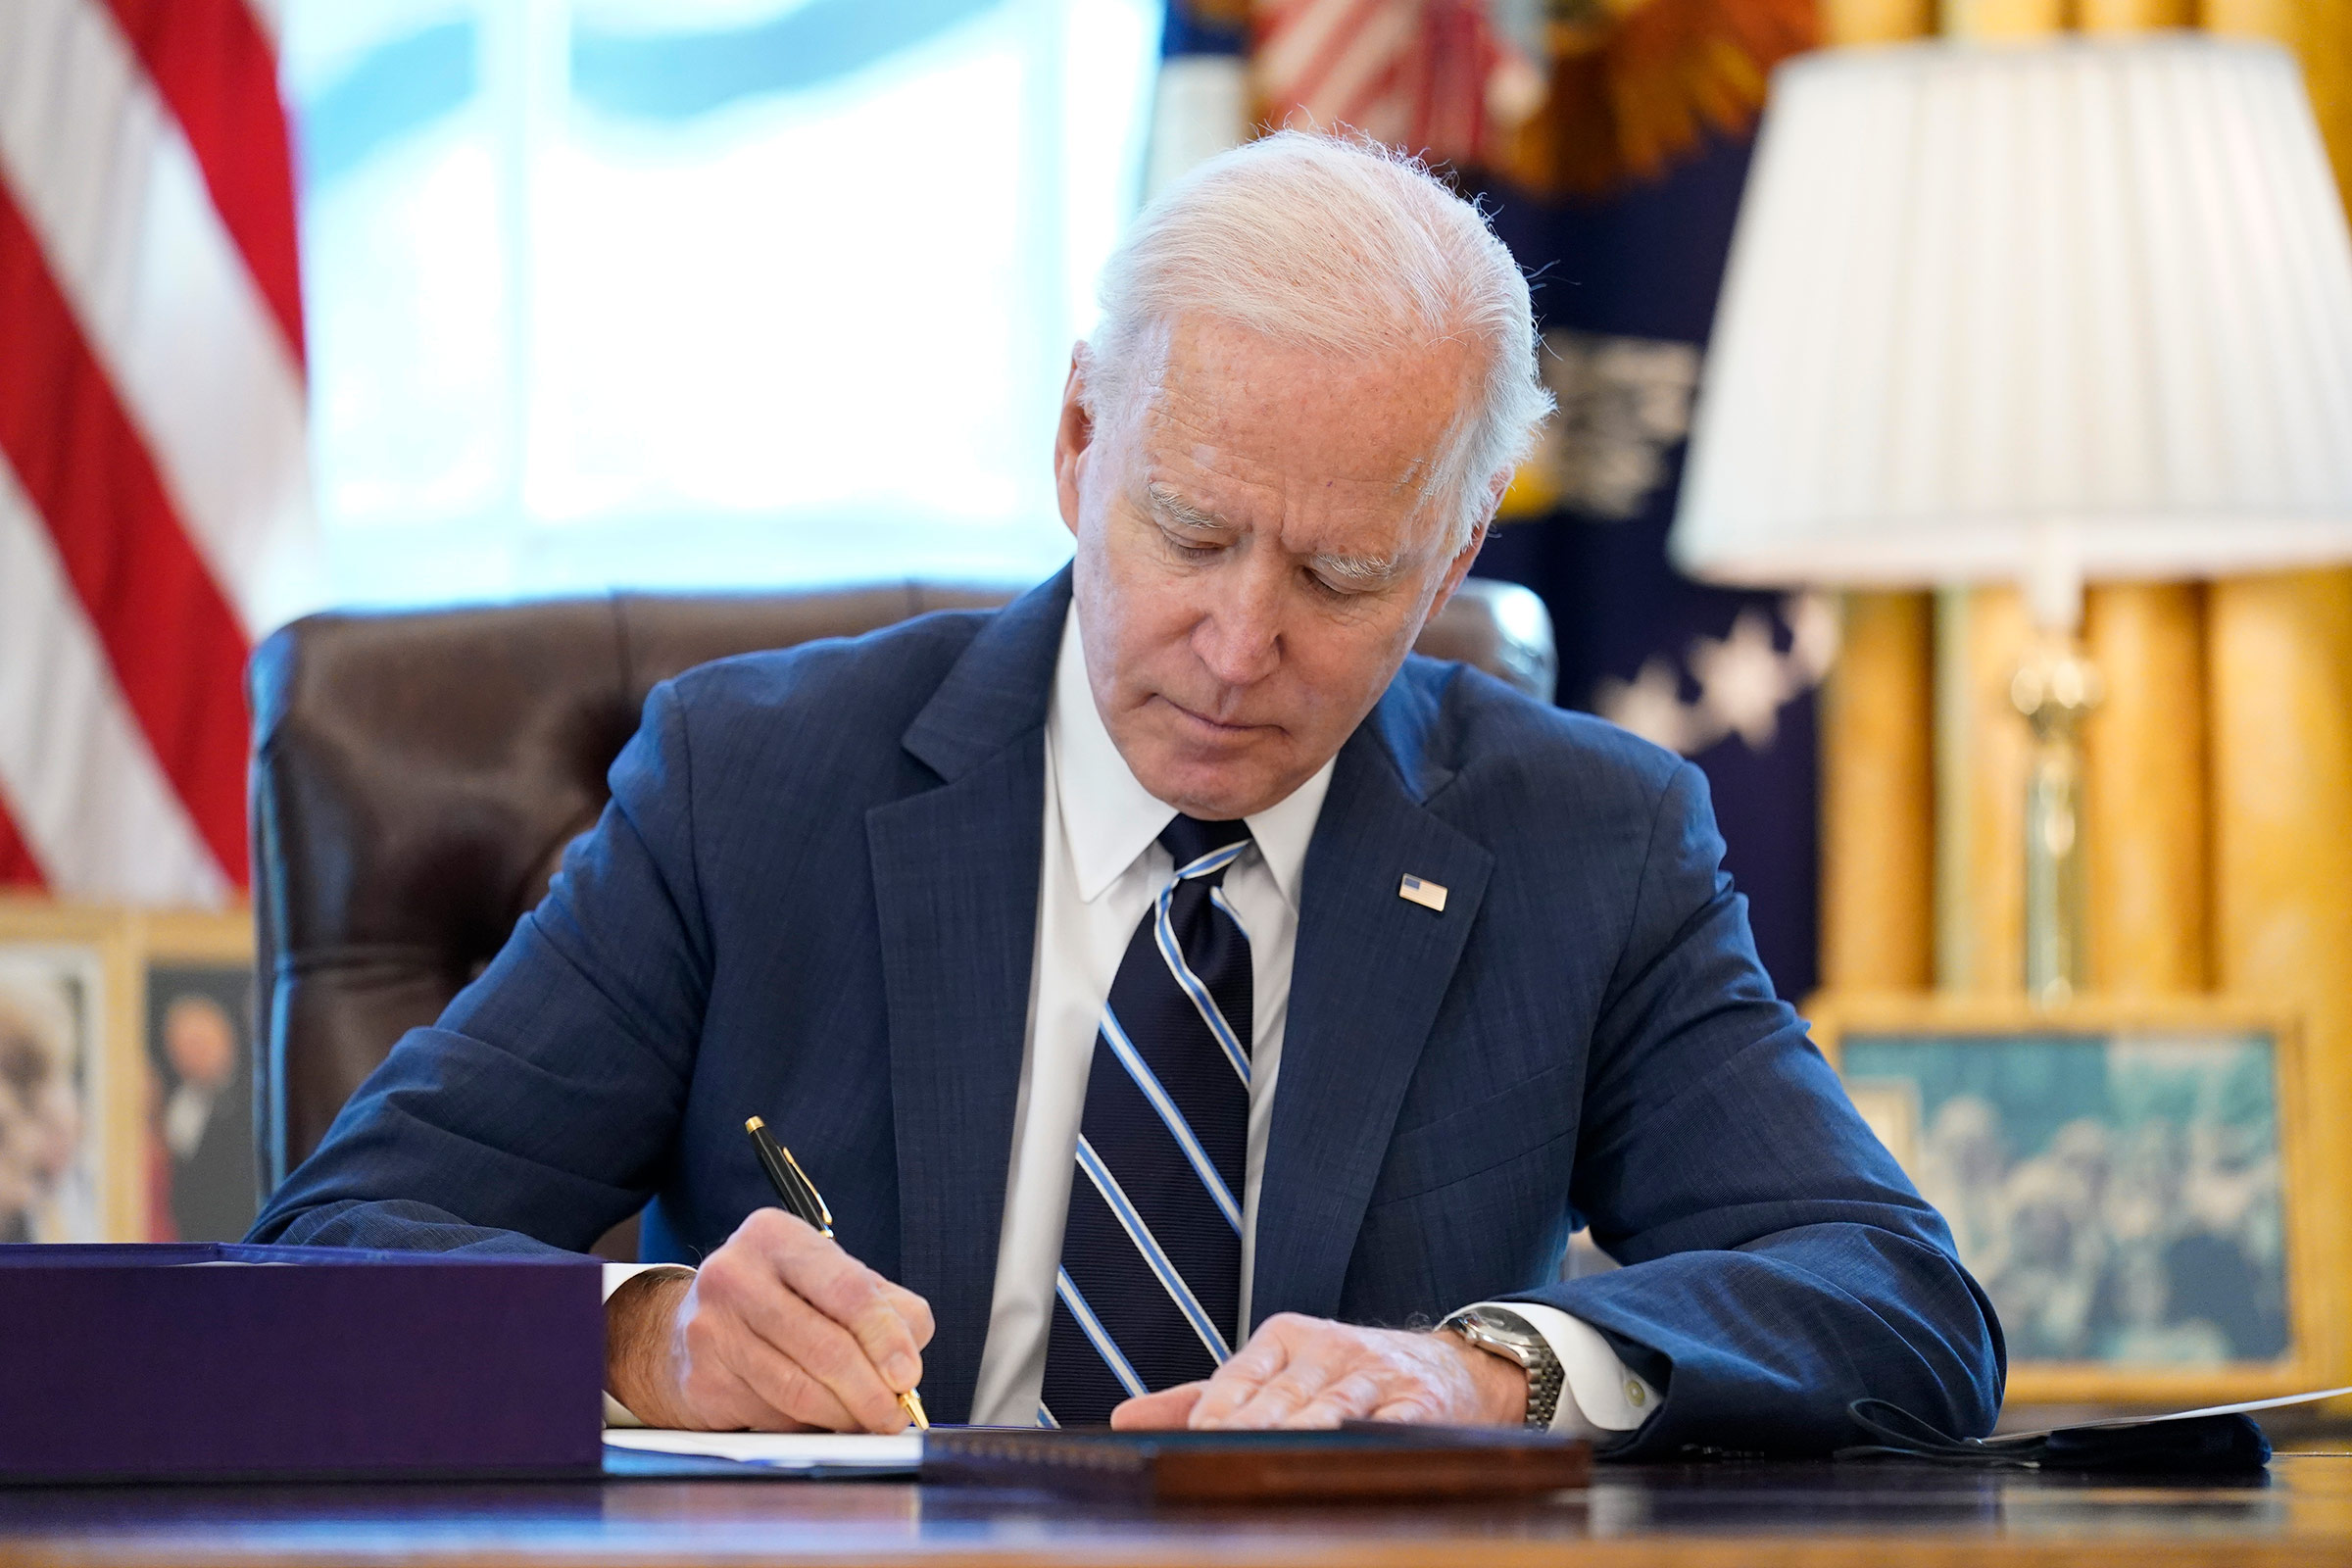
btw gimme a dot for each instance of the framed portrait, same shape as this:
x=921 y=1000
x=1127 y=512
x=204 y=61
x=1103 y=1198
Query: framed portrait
x=196 y=1032
x=70 y=1087
x=2122 y=1179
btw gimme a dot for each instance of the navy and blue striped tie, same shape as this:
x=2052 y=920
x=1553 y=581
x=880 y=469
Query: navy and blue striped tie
x=1151 y=1284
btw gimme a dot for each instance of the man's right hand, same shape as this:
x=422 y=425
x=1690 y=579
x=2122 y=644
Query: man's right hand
x=778 y=1331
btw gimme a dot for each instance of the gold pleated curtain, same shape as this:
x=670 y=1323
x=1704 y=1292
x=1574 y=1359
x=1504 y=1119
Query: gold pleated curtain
x=2218 y=772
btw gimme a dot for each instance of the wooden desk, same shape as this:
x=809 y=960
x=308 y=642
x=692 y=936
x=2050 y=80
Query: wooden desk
x=1734 y=1514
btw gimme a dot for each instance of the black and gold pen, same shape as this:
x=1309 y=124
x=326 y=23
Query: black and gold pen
x=799 y=1194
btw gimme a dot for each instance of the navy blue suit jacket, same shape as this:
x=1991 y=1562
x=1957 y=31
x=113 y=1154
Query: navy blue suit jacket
x=814 y=898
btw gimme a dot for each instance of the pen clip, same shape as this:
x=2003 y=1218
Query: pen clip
x=793 y=1187
x=817 y=1201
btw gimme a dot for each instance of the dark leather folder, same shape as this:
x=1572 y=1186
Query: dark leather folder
x=1360 y=1462
x=125 y=1364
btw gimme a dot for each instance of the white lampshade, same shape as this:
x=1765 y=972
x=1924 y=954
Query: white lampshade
x=1991 y=305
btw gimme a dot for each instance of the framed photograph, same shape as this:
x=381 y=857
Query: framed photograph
x=196 y=1036
x=71 y=1086
x=2121 y=1177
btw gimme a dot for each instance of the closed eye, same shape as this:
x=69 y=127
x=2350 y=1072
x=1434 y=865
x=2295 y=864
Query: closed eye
x=1192 y=534
x=1191 y=547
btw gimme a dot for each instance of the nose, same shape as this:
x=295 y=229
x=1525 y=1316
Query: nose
x=1239 y=636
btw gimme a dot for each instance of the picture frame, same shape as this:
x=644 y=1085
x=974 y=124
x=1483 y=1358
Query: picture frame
x=2123 y=1178
x=195 y=1022
x=72 y=1085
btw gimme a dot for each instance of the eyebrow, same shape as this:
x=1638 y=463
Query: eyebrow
x=1364 y=571
x=1173 y=507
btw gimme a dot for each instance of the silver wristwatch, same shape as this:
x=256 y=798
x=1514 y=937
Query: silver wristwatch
x=1514 y=1339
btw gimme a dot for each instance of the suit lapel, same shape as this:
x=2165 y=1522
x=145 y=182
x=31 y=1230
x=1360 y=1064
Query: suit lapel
x=1370 y=971
x=955 y=872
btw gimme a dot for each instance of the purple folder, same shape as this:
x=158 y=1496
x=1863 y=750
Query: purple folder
x=120 y=1362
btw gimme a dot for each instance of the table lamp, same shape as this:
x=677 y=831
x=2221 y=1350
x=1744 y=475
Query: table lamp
x=2030 y=313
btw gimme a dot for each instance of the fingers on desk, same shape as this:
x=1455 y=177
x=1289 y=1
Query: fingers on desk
x=1164 y=1411
x=1306 y=1372
x=1293 y=1372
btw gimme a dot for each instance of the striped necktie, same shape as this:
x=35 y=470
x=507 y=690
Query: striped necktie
x=1149 y=1294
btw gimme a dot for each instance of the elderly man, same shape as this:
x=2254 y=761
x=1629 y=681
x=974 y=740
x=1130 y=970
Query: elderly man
x=1185 y=1000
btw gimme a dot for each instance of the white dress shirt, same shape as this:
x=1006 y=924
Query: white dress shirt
x=1101 y=867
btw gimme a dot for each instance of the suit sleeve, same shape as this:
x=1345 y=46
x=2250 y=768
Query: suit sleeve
x=1779 y=1264
x=541 y=1110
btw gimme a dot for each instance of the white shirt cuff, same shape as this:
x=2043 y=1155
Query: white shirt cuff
x=617 y=1414
x=1601 y=1398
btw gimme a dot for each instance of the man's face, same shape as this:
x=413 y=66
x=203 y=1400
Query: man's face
x=1254 y=557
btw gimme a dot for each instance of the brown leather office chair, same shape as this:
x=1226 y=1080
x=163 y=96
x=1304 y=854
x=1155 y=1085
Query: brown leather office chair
x=416 y=777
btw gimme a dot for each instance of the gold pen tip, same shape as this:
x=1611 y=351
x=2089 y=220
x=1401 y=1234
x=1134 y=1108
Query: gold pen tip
x=754 y=1125
x=914 y=1404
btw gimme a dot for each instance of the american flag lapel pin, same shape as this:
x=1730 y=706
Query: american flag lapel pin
x=1427 y=894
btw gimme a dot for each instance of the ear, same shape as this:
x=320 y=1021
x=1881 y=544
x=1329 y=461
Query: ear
x=1073 y=438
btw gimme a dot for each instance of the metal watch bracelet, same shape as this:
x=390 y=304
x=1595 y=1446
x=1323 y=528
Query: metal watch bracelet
x=1515 y=1340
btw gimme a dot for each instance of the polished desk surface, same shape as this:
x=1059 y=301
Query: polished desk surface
x=1724 y=1513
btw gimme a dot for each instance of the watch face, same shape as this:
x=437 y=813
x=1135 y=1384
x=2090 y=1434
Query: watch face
x=1512 y=1331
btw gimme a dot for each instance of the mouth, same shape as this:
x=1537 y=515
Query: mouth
x=1212 y=728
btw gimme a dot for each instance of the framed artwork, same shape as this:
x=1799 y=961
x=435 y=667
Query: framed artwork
x=2121 y=1178
x=196 y=1034
x=71 y=1086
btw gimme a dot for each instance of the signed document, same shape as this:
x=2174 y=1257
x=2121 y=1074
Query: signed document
x=830 y=1454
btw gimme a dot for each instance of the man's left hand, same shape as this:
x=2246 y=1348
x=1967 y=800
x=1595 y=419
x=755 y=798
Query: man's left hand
x=1301 y=1371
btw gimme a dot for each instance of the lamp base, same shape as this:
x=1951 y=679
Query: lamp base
x=2055 y=688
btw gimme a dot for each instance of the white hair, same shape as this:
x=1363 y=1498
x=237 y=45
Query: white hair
x=1345 y=247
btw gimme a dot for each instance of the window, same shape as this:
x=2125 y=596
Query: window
x=710 y=294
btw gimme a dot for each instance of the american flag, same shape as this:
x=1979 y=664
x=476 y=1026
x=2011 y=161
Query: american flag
x=154 y=506
x=1432 y=76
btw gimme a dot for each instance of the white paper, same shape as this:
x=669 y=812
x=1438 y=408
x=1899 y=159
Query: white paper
x=783 y=1451
x=2248 y=1407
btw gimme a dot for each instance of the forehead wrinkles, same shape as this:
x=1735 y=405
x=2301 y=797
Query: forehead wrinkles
x=1345 y=517
x=1337 y=456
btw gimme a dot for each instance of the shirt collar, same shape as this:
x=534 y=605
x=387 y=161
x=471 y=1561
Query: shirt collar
x=1107 y=817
